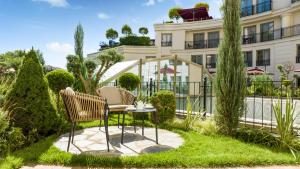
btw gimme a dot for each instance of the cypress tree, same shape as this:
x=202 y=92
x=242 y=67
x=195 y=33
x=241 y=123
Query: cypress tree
x=29 y=102
x=230 y=82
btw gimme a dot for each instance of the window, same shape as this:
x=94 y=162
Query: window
x=150 y=57
x=197 y=59
x=171 y=62
x=213 y=39
x=178 y=78
x=263 y=6
x=166 y=39
x=267 y=31
x=199 y=42
x=298 y=54
x=249 y=35
x=248 y=58
x=263 y=57
x=246 y=7
x=211 y=61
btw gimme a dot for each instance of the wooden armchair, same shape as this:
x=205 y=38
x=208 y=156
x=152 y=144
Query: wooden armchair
x=83 y=107
x=118 y=99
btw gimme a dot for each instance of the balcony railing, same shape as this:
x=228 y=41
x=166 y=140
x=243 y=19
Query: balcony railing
x=272 y=35
x=164 y=44
x=256 y=9
x=293 y=1
x=263 y=62
x=202 y=44
x=298 y=59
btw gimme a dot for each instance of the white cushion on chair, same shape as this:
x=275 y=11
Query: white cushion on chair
x=112 y=95
x=117 y=107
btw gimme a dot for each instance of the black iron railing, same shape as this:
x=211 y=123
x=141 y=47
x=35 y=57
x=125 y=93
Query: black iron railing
x=272 y=35
x=256 y=9
x=263 y=62
x=164 y=44
x=293 y=1
x=202 y=44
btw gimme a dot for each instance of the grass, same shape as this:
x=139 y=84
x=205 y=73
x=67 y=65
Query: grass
x=197 y=151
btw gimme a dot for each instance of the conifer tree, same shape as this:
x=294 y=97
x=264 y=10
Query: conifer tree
x=230 y=82
x=29 y=102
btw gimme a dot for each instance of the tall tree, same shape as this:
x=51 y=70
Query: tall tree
x=78 y=37
x=230 y=82
x=126 y=30
x=143 y=30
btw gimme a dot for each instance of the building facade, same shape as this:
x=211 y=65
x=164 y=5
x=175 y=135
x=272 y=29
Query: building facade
x=270 y=36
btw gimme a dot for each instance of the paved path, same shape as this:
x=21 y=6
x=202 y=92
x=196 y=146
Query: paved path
x=93 y=141
x=59 y=167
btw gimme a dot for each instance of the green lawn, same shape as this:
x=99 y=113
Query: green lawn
x=197 y=151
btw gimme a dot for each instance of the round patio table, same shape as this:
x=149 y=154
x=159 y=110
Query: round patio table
x=143 y=111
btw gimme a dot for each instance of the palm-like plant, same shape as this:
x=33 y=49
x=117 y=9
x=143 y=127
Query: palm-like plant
x=111 y=34
x=143 y=30
x=126 y=30
x=285 y=122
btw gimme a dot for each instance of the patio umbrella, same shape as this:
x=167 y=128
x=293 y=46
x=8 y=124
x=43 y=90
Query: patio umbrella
x=255 y=71
x=166 y=71
x=194 y=14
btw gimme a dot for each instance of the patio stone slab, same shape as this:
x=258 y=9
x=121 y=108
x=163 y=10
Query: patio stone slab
x=93 y=141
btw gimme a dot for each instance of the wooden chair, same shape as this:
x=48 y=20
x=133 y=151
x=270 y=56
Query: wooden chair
x=83 y=107
x=118 y=99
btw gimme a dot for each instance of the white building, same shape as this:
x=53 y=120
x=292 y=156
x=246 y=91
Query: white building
x=270 y=36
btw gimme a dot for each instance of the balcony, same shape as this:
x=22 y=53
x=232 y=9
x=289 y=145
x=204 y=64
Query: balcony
x=272 y=35
x=294 y=1
x=202 y=44
x=211 y=65
x=256 y=9
x=166 y=44
x=263 y=62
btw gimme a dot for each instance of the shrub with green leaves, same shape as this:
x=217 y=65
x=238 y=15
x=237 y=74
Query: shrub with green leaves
x=11 y=138
x=129 y=81
x=59 y=79
x=262 y=85
x=165 y=103
x=135 y=40
x=28 y=100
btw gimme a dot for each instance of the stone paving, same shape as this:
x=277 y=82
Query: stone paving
x=93 y=141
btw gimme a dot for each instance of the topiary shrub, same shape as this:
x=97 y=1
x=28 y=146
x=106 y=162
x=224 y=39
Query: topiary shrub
x=28 y=100
x=202 y=5
x=129 y=81
x=59 y=79
x=135 y=40
x=165 y=103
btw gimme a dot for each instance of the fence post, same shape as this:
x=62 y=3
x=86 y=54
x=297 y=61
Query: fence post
x=151 y=86
x=204 y=93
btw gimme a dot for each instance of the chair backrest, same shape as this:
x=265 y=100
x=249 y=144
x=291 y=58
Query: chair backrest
x=83 y=107
x=112 y=94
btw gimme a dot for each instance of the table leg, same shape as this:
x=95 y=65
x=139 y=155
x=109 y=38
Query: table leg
x=123 y=127
x=155 y=115
x=143 y=123
x=134 y=125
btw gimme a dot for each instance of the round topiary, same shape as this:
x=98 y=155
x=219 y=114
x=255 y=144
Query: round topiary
x=28 y=101
x=59 y=79
x=165 y=103
x=129 y=81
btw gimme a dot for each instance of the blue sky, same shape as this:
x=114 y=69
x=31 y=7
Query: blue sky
x=49 y=24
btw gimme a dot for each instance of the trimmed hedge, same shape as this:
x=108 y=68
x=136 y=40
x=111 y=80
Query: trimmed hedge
x=28 y=101
x=165 y=103
x=129 y=81
x=135 y=40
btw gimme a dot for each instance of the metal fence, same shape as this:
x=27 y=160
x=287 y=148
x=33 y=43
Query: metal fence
x=261 y=96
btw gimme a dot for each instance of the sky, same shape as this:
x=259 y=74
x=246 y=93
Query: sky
x=49 y=25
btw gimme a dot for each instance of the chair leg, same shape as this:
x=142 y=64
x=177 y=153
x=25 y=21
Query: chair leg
x=70 y=135
x=106 y=131
x=118 y=119
x=74 y=127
